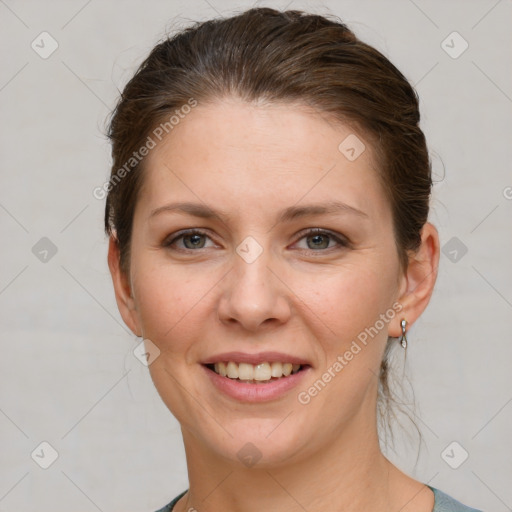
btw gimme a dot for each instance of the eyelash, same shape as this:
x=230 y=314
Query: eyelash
x=342 y=242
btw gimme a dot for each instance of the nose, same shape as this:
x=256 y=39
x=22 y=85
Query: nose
x=253 y=295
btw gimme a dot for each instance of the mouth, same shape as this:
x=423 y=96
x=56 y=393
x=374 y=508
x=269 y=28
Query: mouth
x=262 y=373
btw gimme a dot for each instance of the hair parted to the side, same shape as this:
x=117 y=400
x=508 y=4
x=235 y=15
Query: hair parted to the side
x=264 y=55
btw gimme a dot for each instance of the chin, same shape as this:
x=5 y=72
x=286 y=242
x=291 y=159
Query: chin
x=259 y=446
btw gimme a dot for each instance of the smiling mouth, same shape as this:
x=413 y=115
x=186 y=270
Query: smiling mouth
x=262 y=373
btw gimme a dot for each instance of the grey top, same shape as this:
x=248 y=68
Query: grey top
x=442 y=503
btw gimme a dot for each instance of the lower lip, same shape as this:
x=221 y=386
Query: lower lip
x=246 y=392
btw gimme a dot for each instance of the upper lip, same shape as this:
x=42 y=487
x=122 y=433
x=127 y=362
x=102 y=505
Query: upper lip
x=257 y=358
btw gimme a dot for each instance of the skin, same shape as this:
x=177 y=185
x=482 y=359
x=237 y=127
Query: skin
x=303 y=295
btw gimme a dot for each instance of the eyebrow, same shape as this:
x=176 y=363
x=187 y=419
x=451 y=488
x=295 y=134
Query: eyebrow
x=286 y=215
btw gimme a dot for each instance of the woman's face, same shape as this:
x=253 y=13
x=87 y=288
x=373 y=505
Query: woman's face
x=255 y=280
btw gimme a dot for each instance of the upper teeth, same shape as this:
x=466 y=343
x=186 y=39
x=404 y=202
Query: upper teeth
x=262 y=371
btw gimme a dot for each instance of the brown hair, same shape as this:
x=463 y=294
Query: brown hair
x=266 y=55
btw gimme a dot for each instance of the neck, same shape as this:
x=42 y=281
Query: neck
x=351 y=474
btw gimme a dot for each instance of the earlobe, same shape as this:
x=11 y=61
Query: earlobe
x=419 y=280
x=122 y=288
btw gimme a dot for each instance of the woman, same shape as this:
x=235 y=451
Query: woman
x=267 y=213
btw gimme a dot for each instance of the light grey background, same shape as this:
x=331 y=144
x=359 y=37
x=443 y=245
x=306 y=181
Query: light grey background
x=68 y=375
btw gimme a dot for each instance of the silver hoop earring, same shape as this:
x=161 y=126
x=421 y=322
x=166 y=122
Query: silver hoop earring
x=403 y=338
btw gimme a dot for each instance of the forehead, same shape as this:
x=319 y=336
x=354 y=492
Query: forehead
x=249 y=157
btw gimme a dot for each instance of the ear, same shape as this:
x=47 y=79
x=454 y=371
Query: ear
x=417 y=284
x=122 y=288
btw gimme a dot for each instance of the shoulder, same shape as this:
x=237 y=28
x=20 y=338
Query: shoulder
x=170 y=506
x=445 y=503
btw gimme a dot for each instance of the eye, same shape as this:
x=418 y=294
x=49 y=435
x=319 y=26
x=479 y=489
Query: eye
x=195 y=239
x=321 y=239
x=191 y=239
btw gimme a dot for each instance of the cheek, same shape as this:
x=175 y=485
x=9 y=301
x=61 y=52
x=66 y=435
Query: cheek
x=352 y=336
x=347 y=300
x=169 y=299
